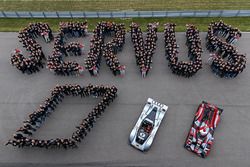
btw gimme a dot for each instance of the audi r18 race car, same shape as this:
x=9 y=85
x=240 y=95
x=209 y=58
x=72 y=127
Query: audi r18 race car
x=144 y=131
x=201 y=135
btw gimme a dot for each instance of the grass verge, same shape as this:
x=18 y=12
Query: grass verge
x=243 y=23
x=117 y=5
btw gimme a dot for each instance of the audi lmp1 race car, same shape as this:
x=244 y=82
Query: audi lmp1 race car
x=144 y=131
x=200 y=138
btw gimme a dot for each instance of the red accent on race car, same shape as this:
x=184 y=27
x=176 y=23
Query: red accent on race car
x=200 y=110
x=200 y=137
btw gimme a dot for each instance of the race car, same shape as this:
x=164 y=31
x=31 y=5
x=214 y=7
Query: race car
x=201 y=135
x=144 y=131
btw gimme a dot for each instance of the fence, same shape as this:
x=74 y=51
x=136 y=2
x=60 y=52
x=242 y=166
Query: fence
x=125 y=14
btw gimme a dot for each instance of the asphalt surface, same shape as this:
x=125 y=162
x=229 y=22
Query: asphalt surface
x=107 y=143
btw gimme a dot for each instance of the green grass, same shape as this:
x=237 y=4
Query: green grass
x=117 y=5
x=243 y=23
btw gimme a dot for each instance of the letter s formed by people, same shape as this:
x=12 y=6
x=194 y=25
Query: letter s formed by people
x=27 y=37
x=220 y=39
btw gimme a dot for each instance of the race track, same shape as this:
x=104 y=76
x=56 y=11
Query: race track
x=107 y=143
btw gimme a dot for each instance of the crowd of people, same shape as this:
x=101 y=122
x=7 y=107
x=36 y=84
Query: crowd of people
x=108 y=50
x=22 y=137
x=225 y=60
x=74 y=49
x=183 y=68
x=56 y=63
x=27 y=37
x=144 y=50
x=221 y=49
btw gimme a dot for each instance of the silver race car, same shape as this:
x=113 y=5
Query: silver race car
x=145 y=129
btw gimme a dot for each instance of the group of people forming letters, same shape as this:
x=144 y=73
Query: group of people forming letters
x=220 y=39
x=225 y=61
